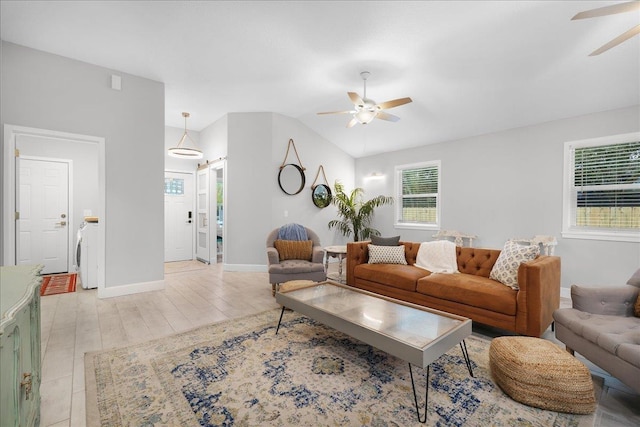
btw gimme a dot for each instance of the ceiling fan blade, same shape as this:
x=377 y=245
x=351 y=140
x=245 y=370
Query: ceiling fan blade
x=352 y=123
x=355 y=98
x=608 y=10
x=337 y=112
x=622 y=37
x=386 y=116
x=394 y=103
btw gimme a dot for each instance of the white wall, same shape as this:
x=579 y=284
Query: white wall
x=255 y=145
x=46 y=91
x=509 y=184
x=248 y=190
x=214 y=139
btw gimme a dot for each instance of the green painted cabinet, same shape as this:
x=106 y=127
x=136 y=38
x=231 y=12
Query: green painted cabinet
x=20 y=371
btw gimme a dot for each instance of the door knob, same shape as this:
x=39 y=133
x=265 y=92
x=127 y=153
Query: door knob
x=61 y=223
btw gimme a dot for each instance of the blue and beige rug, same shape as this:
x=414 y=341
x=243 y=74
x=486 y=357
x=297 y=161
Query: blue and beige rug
x=240 y=373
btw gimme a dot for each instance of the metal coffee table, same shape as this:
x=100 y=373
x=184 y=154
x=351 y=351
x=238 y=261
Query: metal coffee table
x=413 y=333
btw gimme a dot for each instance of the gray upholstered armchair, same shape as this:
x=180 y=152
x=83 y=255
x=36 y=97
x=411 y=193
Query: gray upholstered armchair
x=284 y=267
x=602 y=327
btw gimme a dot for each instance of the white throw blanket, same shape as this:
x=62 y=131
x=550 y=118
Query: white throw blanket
x=437 y=257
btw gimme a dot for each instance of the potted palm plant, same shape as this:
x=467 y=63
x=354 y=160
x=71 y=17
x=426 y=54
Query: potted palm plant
x=355 y=214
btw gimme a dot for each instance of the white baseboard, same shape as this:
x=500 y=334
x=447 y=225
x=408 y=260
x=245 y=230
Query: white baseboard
x=247 y=268
x=132 y=288
x=565 y=293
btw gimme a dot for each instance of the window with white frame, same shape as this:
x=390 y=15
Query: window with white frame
x=418 y=195
x=602 y=188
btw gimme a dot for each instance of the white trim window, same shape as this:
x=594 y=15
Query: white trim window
x=418 y=195
x=602 y=188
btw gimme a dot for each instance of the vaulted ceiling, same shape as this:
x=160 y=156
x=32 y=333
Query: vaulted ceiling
x=471 y=67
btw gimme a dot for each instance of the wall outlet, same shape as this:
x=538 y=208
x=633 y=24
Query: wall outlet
x=286 y=214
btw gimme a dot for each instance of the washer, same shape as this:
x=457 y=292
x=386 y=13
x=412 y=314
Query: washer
x=87 y=254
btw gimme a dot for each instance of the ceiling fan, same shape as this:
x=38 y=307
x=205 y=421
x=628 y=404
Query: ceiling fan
x=366 y=109
x=611 y=10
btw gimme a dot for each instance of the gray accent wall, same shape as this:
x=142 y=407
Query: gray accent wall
x=509 y=185
x=46 y=91
x=255 y=145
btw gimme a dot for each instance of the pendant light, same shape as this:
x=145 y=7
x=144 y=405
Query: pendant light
x=182 y=152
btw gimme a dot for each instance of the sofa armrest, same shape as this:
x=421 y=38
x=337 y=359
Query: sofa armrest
x=357 y=253
x=615 y=301
x=539 y=294
x=317 y=256
x=272 y=256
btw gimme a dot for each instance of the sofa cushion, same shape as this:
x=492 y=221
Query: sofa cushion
x=393 y=275
x=618 y=335
x=385 y=241
x=294 y=249
x=512 y=255
x=469 y=289
x=386 y=255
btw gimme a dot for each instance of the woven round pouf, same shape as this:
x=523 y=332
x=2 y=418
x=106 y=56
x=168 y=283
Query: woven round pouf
x=538 y=373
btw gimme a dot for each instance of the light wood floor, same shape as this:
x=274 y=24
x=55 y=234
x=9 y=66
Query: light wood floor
x=195 y=294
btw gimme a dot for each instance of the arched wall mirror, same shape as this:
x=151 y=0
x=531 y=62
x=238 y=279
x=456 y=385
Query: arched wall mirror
x=291 y=179
x=321 y=195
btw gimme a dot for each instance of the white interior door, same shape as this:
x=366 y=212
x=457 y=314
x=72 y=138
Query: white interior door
x=216 y=210
x=179 y=216
x=203 y=248
x=42 y=234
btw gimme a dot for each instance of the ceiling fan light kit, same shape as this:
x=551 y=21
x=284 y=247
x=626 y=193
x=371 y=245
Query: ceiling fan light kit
x=180 y=151
x=611 y=10
x=366 y=109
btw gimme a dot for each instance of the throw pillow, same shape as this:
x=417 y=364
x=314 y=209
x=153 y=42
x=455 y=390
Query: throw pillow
x=294 y=249
x=636 y=307
x=385 y=241
x=635 y=279
x=505 y=270
x=386 y=254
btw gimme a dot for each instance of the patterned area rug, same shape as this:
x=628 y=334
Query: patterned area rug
x=240 y=373
x=58 y=284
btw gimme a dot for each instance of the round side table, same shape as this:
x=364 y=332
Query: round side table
x=339 y=252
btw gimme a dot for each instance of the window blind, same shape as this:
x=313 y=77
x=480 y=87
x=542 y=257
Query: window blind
x=419 y=194
x=606 y=186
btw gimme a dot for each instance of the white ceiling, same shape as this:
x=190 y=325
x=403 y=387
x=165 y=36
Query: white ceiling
x=470 y=67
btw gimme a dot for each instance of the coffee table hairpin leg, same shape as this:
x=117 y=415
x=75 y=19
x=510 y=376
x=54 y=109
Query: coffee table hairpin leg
x=280 y=321
x=465 y=354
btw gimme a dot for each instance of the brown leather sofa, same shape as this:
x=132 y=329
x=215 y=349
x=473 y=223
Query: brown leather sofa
x=470 y=293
